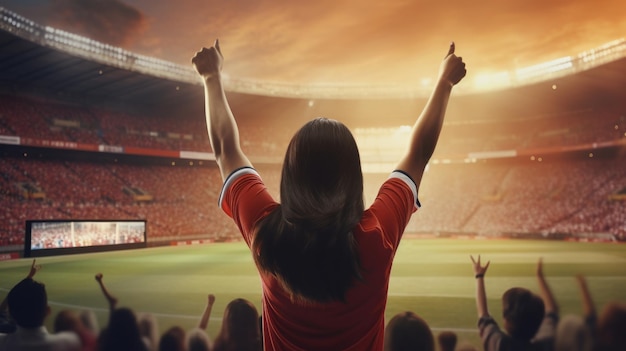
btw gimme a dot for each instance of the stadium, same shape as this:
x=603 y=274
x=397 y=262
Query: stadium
x=534 y=165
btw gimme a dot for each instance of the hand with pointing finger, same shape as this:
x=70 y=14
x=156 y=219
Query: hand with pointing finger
x=34 y=267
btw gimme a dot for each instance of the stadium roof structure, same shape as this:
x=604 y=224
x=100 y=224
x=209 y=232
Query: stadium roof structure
x=34 y=56
x=37 y=57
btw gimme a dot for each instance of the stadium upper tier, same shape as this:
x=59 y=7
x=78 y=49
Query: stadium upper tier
x=87 y=49
x=48 y=123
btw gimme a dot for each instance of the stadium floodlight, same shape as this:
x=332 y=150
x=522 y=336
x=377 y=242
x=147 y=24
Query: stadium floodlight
x=607 y=52
x=543 y=69
x=487 y=81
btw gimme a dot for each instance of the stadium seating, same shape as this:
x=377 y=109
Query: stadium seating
x=491 y=198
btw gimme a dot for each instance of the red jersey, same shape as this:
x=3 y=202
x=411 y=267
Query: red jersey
x=358 y=323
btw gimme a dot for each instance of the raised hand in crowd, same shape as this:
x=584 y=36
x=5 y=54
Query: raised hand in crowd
x=112 y=300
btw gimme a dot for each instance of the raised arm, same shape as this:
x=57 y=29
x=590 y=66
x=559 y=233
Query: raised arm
x=112 y=300
x=34 y=268
x=481 y=295
x=204 y=321
x=544 y=288
x=223 y=131
x=428 y=126
x=589 y=309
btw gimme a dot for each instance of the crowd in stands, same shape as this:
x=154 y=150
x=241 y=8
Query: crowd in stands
x=530 y=322
x=182 y=204
x=527 y=197
x=573 y=196
x=533 y=132
x=39 y=119
x=33 y=118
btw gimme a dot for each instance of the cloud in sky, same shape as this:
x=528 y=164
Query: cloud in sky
x=343 y=40
x=109 y=21
x=394 y=40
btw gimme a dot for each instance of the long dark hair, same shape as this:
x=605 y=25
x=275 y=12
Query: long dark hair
x=307 y=242
x=240 y=328
x=122 y=332
x=408 y=331
x=523 y=312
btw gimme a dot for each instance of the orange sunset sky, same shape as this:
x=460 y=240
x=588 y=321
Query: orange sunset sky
x=341 y=41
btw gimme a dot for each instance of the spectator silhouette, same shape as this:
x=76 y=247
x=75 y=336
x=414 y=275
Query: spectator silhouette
x=611 y=327
x=197 y=340
x=122 y=332
x=173 y=339
x=149 y=329
x=576 y=333
x=406 y=331
x=572 y=334
x=89 y=320
x=28 y=306
x=447 y=340
x=240 y=329
x=67 y=320
x=523 y=313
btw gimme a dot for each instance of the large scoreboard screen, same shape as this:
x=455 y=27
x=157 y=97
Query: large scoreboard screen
x=53 y=237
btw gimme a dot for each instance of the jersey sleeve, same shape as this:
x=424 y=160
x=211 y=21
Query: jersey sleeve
x=395 y=203
x=246 y=200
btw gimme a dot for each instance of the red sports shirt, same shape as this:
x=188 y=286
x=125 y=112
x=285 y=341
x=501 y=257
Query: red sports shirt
x=357 y=324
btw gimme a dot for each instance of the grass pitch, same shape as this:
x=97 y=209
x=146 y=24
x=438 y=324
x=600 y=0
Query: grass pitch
x=432 y=277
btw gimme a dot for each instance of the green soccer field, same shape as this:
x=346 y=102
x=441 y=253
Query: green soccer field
x=433 y=278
